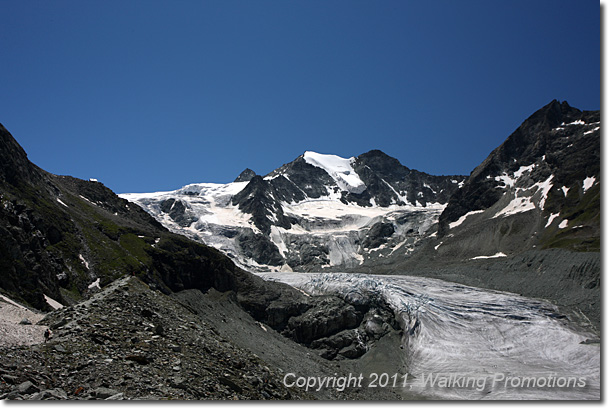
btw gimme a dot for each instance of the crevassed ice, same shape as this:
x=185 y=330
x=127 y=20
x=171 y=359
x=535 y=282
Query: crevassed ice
x=455 y=329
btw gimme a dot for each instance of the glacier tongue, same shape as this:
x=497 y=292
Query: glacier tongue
x=502 y=341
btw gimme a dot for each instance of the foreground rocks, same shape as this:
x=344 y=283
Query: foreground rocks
x=129 y=342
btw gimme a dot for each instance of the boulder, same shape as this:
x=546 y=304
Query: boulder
x=27 y=387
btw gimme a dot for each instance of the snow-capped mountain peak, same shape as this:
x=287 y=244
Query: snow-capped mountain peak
x=320 y=210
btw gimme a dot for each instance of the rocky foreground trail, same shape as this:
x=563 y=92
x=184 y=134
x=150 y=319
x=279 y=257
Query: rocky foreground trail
x=128 y=342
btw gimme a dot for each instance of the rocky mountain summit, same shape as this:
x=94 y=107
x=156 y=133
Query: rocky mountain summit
x=534 y=200
x=539 y=189
x=318 y=211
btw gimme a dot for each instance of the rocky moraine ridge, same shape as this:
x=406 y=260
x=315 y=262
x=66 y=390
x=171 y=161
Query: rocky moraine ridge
x=128 y=342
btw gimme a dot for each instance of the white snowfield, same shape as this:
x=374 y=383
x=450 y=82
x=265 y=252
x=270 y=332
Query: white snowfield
x=525 y=197
x=463 y=218
x=210 y=202
x=515 y=348
x=550 y=220
x=340 y=169
x=53 y=303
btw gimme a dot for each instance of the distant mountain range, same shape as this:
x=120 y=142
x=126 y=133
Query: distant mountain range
x=539 y=189
x=318 y=211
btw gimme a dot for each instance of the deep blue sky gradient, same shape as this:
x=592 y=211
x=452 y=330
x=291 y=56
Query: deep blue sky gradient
x=152 y=95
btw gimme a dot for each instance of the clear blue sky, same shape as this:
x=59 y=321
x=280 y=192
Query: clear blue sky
x=152 y=95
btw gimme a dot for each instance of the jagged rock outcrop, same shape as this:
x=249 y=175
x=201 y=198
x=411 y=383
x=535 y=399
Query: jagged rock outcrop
x=245 y=176
x=259 y=199
x=408 y=186
x=178 y=211
x=378 y=234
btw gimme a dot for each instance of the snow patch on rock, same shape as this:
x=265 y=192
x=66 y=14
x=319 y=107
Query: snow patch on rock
x=497 y=255
x=587 y=183
x=463 y=218
x=551 y=218
x=53 y=303
x=95 y=284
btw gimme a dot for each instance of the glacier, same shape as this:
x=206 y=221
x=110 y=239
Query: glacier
x=454 y=331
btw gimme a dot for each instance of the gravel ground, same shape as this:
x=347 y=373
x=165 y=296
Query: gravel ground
x=12 y=333
x=129 y=342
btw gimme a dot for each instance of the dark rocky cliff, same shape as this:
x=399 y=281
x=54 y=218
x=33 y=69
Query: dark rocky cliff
x=557 y=141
